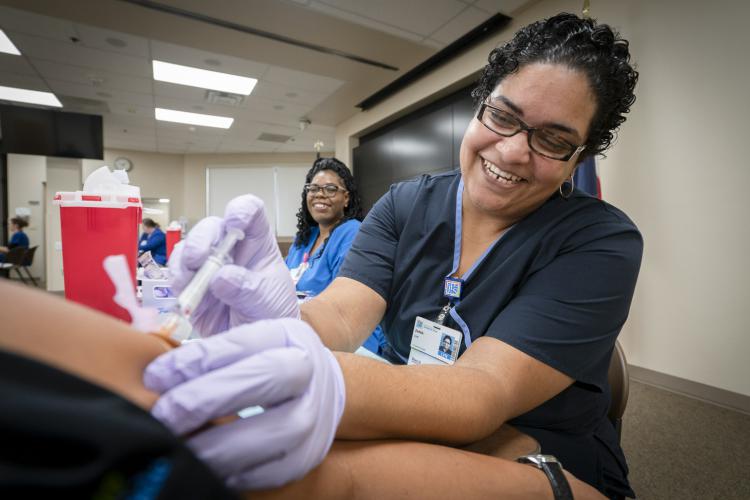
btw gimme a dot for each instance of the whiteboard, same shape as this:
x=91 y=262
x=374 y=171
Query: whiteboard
x=225 y=183
x=278 y=187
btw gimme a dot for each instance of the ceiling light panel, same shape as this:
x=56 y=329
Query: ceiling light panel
x=202 y=78
x=29 y=96
x=6 y=46
x=171 y=115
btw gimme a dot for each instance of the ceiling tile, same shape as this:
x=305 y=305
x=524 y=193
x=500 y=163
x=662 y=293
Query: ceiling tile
x=87 y=91
x=18 y=65
x=416 y=16
x=503 y=6
x=23 y=82
x=76 y=54
x=457 y=27
x=206 y=60
x=121 y=109
x=315 y=83
x=188 y=106
x=99 y=78
x=286 y=93
x=15 y=20
x=367 y=22
x=113 y=41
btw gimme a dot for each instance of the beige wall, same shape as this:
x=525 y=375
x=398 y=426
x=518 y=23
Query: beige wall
x=158 y=175
x=679 y=169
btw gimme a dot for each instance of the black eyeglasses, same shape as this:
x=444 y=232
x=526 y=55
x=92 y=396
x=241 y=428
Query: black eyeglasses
x=543 y=141
x=328 y=190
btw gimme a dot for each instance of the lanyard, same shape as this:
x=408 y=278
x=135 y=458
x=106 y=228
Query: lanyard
x=453 y=286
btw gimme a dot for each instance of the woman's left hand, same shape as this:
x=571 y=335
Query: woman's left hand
x=280 y=365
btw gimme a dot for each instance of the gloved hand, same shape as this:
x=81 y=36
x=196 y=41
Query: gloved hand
x=257 y=286
x=280 y=365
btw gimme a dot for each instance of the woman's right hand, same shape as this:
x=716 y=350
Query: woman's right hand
x=257 y=286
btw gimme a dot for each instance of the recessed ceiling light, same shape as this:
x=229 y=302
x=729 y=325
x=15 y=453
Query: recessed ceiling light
x=278 y=107
x=291 y=95
x=29 y=96
x=163 y=200
x=7 y=46
x=171 y=115
x=203 y=78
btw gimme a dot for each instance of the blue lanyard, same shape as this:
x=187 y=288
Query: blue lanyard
x=450 y=284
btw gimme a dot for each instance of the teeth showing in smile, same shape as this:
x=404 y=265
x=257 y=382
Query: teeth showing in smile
x=501 y=174
x=320 y=206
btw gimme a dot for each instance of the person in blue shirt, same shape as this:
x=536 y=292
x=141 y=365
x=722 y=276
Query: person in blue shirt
x=153 y=240
x=18 y=239
x=327 y=222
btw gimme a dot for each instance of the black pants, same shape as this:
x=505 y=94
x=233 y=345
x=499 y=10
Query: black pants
x=63 y=437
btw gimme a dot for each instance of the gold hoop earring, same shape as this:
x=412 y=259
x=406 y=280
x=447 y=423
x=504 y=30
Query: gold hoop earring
x=566 y=195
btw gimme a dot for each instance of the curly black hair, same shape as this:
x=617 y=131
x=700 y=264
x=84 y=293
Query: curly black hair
x=596 y=50
x=353 y=211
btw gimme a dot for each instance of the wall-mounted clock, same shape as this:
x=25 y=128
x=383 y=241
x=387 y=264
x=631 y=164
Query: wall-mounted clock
x=122 y=163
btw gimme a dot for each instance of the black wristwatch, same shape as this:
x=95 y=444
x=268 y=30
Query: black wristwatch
x=553 y=469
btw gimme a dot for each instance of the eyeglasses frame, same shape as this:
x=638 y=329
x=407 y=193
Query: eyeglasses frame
x=523 y=127
x=321 y=189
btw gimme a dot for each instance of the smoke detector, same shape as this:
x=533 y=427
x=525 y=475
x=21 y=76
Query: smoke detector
x=304 y=123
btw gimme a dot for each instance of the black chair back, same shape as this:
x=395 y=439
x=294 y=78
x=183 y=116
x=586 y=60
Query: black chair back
x=28 y=258
x=619 y=383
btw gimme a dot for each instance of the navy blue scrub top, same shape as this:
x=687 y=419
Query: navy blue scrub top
x=557 y=286
x=156 y=243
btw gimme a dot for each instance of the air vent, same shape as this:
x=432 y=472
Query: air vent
x=265 y=136
x=224 y=98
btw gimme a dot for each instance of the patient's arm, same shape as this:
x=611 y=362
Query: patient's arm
x=109 y=353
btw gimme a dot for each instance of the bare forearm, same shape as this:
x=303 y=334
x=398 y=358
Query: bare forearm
x=451 y=404
x=344 y=314
x=399 y=469
x=332 y=327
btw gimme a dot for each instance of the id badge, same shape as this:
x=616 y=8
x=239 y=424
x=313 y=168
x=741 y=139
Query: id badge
x=298 y=271
x=433 y=343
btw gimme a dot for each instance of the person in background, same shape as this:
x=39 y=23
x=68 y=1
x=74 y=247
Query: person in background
x=327 y=222
x=153 y=240
x=18 y=239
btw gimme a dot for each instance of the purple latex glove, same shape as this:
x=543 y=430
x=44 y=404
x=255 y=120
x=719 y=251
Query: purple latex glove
x=280 y=365
x=257 y=286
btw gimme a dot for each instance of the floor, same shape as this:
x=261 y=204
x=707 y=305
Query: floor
x=682 y=448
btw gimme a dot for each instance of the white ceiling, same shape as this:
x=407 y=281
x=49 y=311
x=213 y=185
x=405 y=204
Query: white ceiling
x=95 y=55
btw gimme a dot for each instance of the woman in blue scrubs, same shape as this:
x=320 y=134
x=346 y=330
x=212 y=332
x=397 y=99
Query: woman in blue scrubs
x=153 y=240
x=327 y=222
x=18 y=239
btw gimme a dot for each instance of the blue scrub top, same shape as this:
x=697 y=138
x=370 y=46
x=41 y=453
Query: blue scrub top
x=156 y=243
x=324 y=266
x=556 y=286
x=19 y=239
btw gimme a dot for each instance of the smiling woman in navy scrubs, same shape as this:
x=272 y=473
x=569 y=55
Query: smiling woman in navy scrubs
x=327 y=222
x=531 y=277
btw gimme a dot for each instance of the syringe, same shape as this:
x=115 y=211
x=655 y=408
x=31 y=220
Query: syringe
x=176 y=326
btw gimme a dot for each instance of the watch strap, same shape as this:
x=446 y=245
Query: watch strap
x=554 y=472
